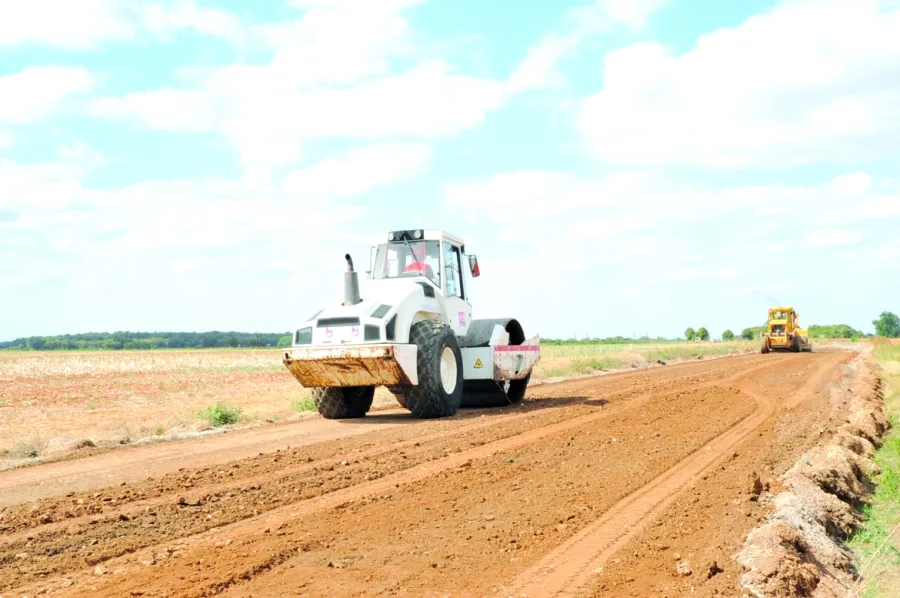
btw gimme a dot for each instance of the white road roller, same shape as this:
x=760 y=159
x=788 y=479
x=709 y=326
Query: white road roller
x=412 y=331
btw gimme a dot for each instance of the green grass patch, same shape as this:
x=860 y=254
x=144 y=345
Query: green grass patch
x=585 y=358
x=220 y=415
x=688 y=351
x=877 y=543
x=885 y=352
x=301 y=405
x=585 y=365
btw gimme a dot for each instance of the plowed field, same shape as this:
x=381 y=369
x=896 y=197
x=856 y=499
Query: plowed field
x=599 y=486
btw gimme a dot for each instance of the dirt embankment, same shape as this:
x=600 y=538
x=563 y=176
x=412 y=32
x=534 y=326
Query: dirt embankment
x=799 y=550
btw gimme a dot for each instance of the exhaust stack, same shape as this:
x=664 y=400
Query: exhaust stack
x=351 y=284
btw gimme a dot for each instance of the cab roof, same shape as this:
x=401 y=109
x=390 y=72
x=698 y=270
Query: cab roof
x=428 y=234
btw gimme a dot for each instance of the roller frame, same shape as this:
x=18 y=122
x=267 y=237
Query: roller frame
x=330 y=349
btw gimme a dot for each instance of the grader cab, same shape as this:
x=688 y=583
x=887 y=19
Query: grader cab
x=783 y=332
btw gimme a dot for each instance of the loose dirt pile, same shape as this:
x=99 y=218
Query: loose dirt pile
x=799 y=550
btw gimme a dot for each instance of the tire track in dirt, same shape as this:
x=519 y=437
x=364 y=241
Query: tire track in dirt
x=183 y=535
x=227 y=558
x=93 y=507
x=566 y=569
x=89 y=468
x=704 y=529
x=16 y=525
x=68 y=548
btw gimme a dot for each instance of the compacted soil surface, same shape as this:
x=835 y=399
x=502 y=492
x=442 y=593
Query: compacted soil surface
x=643 y=483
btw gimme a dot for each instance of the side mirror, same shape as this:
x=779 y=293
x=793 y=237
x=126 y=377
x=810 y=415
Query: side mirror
x=473 y=266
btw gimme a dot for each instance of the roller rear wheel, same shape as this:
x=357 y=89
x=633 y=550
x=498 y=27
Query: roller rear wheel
x=487 y=393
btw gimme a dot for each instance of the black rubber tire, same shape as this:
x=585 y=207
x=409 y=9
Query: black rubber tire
x=795 y=344
x=517 y=388
x=428 y=399
x=343 y=403
x=401 y=398
x=479 y=394
x=763 y=346
x=399 y=394
x=487 y=393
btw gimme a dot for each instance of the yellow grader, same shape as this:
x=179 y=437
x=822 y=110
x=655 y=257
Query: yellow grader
x=783 y=332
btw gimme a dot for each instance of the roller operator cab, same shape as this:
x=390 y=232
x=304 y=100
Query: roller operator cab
x=411 y=330
x=783 y=333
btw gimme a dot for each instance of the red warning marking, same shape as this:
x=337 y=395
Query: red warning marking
x=520 y=348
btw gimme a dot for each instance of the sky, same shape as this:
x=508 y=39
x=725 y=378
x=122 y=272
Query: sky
x=619 y=167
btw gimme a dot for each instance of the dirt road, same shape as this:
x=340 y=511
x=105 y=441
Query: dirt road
x=600 y=486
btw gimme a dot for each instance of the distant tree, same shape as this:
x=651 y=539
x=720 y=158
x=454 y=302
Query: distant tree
x=689 y=334
x=833 y=331
x=888 y=325
x=728 y=335
x=233 y=341
x=747 y=334
x=37 y=343
x=703 y=333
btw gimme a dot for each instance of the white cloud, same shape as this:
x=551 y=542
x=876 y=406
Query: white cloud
x=853 y=184
x=693 y=274
x=73 y=25
x=663 y=229
x=880 y=257
x=186 y=255
x=603 y=14
x=160 y=218
x=80 y=155
x=267 y=123
x=832 y=238
x=86 y=24
x=336 y=42
x=330 y=77
x=363 y=169
x=690 y=254
x=164 y=109
x=6 y=140
x=184 y=14
x=756 y=95
x=36 y=93
x=538 y=69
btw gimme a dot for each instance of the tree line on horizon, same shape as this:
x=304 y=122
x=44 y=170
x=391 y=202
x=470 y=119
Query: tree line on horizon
x=887 y=325
x=126 y=340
